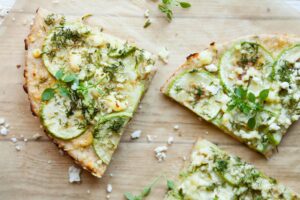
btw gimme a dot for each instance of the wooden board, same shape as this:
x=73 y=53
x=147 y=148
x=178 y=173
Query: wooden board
x=28 y=175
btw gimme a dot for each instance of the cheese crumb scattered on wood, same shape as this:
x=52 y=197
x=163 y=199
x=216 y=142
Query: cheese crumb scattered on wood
x=109 y=188
x=18 y=148
x=136 y=134
x=160 y=153
x=163 y=54
x=170 y=140
x=146 y=13
x=74 y=174
x=14 y=140
x=176 y=127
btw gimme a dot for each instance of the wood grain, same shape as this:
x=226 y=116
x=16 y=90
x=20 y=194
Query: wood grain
x=28 y=175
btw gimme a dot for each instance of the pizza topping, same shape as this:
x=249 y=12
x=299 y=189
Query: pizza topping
x=214 y=174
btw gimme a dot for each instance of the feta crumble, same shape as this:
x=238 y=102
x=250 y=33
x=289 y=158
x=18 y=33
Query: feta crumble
x=160 y=153
x=136 y=134
x=284 y=85
x=170 y=140
x=3 y=131
x=146 y=13
x=176 y=127
x=274 y=127
x=14 y=140
x=163 y=54
x=109 y=188
x=211 y=68
x=205 y=57
x=74 y=174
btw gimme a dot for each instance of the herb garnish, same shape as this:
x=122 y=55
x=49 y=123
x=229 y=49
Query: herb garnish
x=48 y=94
x=50 y=19
x=116 y=124
x=247 y=103
x=166 y=7
x=249 y=53
x=147 y=23
x=145 y=192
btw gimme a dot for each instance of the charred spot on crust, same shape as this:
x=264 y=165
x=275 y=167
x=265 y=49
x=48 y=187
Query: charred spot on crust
x=193 y=55
x=26 y=44
x=25 y=73
x=18 y=66
x=25 y=88
x=32 y=110
x=212 y=44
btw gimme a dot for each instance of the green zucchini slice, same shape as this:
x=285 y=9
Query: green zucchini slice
x=61 y=119
x=246 y=64
x=107 y=134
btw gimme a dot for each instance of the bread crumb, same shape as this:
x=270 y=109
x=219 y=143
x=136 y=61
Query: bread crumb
x=109 y=188
x=176 y=127
x=36 y=136
x=163 y=54
x=170 y=140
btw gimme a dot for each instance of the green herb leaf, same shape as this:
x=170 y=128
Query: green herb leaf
x=251 y=97
x=147 y=23
x=63 y=91
x=164 y=8
x=251 y=122
x=146 y=191
x=59 y=74
x=69 y=78
x=263 y=95
x=171 y=185
x=184 y=4
x=48 y=94
x=129 y=196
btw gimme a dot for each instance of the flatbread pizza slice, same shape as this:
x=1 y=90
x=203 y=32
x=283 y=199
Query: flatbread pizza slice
x=213 y=174
x=248 y=87
x=85 y=86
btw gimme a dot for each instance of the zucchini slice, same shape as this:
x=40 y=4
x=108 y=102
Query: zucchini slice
x=200 y=91
x=107 y=134
x=62 y=120
x=246 y=64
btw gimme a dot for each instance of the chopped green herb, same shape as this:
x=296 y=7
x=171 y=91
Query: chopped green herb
x=68 y=78
x=50 y=19
x=221 y=165
x=48 y=94
x=249 y=53
x=251 y=122
x=147 y=23
x=166 y=7
x=59 y=74
x=171 y=185
x=116 y=124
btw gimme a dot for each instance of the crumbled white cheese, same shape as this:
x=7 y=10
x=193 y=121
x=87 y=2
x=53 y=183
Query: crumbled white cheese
x=74 y=174
x=274 y=127
x=163 y=54
x=284 y=85
x=2 y=121
x=184 y=158
x=212 y=89
x=74 y=86
x=238 y=70
x=176 y=127
x=18 y=148
x=14 y=140
x=3 y=130
x=25 y=139
x=108 y=196
x=149 y=138
x=211 y=68
x=170 y=140
x=136 y=134
x=49 y=161
x=109 y=188
x=160 y=153
x=297 y=65
x=146 y=13
x=205 y=57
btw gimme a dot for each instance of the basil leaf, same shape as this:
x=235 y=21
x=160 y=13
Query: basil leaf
x=251 y=97
x=59 y=74
x=251 y=122
x=146 y=191
x=63 y=91
x=184 y=4
x=263 y=95
x=170 y=185
x=69 y=78
x=48 y=94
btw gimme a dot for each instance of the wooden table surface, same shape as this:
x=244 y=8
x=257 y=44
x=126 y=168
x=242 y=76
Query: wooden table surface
x=38 y=171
